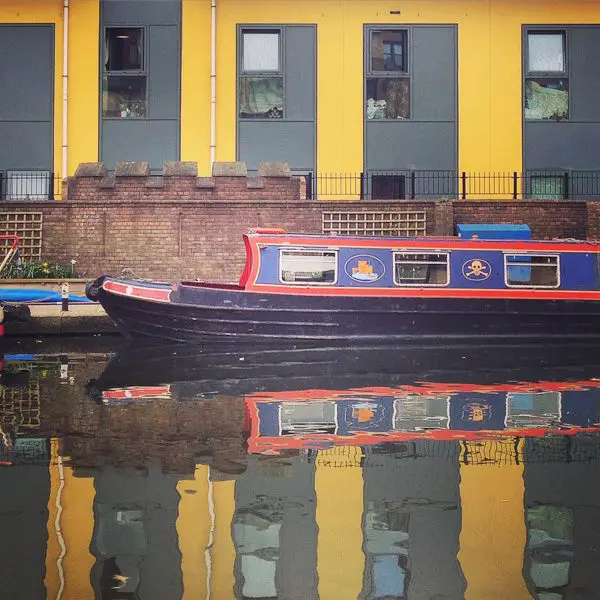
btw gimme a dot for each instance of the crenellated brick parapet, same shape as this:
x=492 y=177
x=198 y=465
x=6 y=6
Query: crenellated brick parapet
x=179 y=182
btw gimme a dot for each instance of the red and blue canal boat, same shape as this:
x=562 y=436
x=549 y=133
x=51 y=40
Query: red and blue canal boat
x=357 y=290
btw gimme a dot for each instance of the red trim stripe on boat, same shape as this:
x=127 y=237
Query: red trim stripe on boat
x=138 y=291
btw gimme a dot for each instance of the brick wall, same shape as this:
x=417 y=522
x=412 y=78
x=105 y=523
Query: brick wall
x=179 y=225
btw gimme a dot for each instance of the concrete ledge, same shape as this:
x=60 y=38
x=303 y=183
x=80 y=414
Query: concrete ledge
x=205 y=183
x=155 y=182
x=92 y=169
x=107 y=183
x=274 y=169
x=132 y=169
x=255 y=183
x=230 y=169
x=177 y=168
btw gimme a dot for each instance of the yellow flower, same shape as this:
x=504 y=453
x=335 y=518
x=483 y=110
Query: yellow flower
x=44 y=264
x=46 y=271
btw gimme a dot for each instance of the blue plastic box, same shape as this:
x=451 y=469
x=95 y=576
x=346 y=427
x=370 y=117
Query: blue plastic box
x=499 y=231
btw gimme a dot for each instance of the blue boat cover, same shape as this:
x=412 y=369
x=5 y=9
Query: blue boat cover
x=36 y=295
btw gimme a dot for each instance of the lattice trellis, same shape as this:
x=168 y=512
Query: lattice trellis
x=402 y=223
x=28 y=226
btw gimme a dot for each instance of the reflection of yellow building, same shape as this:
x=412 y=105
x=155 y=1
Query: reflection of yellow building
x=492 y=535
x=492 y=538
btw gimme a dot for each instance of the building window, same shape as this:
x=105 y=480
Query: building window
x=261 y=76
x=388 y=81
x=124 y=82
x=546 y=81
x=388 y=187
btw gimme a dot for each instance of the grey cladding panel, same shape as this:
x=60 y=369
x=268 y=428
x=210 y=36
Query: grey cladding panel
x=409 y=145
x=155 y=141
x=147 y=12
x=433 y=67
x=563 y=145
x=584 y=74
x=300 y=43
x=26 y=73
x=277 y=141
x=164 y=92
x=26 y=146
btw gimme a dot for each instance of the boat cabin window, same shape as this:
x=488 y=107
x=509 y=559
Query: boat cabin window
x=531 y=270
x=315 y=267
x=421 y=269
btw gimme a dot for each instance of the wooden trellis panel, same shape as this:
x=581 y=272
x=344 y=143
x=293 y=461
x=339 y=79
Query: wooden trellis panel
x=28 y=226
x=403 y=223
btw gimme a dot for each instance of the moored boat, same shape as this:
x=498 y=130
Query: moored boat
x=357 y=290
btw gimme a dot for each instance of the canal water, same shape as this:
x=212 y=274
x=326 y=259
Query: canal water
x=332 y=474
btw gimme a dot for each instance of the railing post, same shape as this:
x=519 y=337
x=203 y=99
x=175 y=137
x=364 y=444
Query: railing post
x=566 y=181
x=362 y=186
x=515 y=186
x=51 y=187
x=413 y=181
x=2 y=183
x=309 y=184
x=463 y=178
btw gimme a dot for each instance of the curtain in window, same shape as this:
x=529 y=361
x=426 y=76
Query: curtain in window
x=261 y=97
x=546 y=52
x=261 y=52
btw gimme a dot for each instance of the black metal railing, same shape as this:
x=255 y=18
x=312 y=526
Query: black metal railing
x=424 y=185
x=30 y=185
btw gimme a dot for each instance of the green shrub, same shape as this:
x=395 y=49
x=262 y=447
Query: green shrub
x=36 y=270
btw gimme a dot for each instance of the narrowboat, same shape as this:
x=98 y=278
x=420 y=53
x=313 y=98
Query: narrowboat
x=362 y=290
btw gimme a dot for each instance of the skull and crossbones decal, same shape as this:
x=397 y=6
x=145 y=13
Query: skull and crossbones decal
x=476 y=269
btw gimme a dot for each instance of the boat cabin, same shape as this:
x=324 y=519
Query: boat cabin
x=276 y=261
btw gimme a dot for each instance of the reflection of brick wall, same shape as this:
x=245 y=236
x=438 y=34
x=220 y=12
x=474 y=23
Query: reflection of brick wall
x=179 y=225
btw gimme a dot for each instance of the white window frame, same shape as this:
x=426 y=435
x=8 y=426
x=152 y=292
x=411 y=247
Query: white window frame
x=424 y=262
x=310 y=283
x=532 y=266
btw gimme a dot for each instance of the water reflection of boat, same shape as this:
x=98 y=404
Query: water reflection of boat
x=439 y=411
x=193 y=371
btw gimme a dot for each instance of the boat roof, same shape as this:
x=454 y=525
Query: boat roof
x=271 y=232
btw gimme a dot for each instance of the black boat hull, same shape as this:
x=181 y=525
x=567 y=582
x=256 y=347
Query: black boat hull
x=204 y=314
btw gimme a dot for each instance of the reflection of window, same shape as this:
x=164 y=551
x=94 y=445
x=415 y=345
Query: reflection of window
x=546 y=82
x=260 y=90
x=308 y=266
x=412 y=268
x=387 y=574
x=550 y=549
x=528 y=270
x=307 y=417
x=388 y=50
x=388 y=82
x=124 y=84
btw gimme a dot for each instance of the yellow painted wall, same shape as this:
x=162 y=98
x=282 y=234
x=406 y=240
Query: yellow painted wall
x=84 y=58
x=489 y=72
x=43 y=12
x=68 y=558
x=493 y=536
x=340 y=557
x=195 y=83
x=193 y=530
